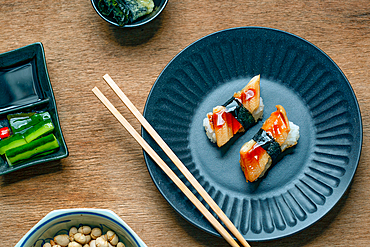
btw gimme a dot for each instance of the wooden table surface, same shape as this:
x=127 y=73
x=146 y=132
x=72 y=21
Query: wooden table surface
x=106 y=168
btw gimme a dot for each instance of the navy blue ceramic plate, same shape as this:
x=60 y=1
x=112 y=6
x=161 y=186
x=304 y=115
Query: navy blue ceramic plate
x=309 y=180
x=25 y=87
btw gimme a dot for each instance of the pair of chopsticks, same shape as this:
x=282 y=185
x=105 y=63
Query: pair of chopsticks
x=216 y=224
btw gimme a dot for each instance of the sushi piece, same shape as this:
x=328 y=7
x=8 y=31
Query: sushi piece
x=276 y=135
x=238 y=114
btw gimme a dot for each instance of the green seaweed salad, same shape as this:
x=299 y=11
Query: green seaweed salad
x=125 y=11
x=30 y=135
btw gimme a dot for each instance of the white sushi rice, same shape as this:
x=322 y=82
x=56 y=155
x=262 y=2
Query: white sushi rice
x=257 y=114
x=292 y=137
x=290 y=141
x=209 y=131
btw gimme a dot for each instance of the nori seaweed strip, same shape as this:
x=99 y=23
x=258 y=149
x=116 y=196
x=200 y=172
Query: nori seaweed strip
x=236 y=108
x=267 y=142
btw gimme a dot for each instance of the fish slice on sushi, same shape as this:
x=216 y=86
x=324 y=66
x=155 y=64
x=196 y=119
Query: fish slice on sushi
x=238 y=114
x=276 y=135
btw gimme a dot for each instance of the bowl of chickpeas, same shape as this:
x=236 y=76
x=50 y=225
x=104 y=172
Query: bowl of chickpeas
x=81 y=227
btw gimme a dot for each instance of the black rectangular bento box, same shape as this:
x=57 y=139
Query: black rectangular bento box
x=25 y=87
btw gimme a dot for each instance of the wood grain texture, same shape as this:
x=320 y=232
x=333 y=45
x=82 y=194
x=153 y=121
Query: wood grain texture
x=106 y=168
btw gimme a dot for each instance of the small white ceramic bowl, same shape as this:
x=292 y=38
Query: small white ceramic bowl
x=60 y=221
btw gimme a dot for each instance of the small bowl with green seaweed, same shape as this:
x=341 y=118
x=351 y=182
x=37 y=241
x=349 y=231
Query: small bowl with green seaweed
x=128 y=13
x=30 y=132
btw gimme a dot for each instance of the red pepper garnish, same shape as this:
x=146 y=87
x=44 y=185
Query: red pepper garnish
x=4 y=132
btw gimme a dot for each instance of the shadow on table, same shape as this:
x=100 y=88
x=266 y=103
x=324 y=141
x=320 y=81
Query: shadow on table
x=137 y=35
x=31 y=171
x=300 y=239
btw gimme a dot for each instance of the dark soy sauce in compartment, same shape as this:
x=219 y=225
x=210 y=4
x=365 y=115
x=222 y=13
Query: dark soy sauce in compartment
x=19 y=85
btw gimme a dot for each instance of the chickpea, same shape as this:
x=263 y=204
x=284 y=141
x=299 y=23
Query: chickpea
x=104 y=237
x=72 y=232
x=74 y=244
x=101 y=242
x=112 y=237
x=120 y=244
x=47 y=245
x=62 y=239
x=95 y=233
x=92 y=243
x=84 y=229
x=88 y=238
x=80 y=238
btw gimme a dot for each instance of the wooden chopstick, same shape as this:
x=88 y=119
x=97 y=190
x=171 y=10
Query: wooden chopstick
x=176 y=161
x=166 y=169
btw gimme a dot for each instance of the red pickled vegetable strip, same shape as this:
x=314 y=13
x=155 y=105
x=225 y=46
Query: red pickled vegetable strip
x=4 y=132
